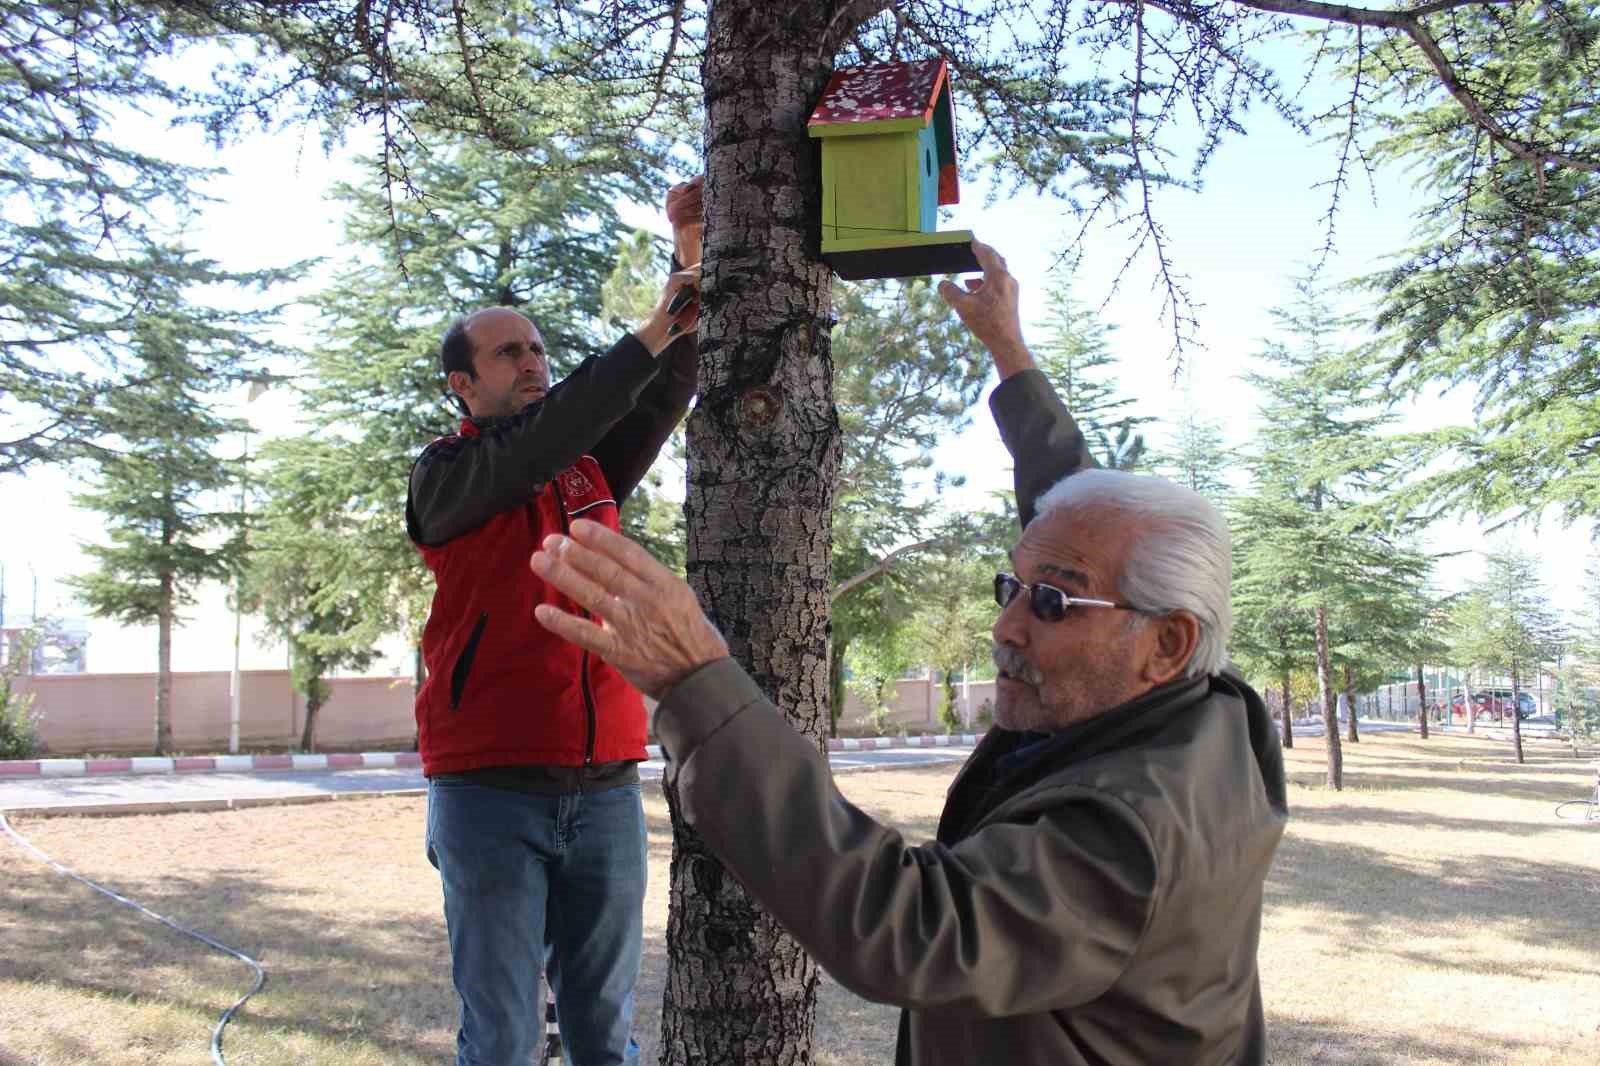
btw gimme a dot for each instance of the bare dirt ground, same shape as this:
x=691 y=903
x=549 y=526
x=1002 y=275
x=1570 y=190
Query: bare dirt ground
x=1434 y=912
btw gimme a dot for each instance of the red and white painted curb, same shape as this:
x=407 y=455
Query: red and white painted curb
x=926 y=740
x=149 y=764
x=188 y=764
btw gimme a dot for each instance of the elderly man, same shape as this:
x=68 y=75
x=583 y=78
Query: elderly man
x=1094 y=894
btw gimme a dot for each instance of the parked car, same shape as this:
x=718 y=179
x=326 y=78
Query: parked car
x=1493 y=704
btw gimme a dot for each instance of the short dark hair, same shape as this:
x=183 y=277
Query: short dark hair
x=455 y=353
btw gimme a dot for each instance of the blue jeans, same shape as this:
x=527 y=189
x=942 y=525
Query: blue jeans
x=528 y=879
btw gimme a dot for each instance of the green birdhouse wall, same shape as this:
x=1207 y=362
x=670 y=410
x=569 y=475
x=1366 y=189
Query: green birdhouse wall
x=888 y=162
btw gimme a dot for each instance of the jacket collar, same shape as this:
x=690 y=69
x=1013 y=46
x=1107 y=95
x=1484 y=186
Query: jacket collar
x=986 y=778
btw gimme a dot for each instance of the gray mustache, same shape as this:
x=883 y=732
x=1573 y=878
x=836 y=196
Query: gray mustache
x=1014 y=664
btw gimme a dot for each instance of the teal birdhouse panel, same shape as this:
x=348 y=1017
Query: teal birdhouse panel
x=928 y=179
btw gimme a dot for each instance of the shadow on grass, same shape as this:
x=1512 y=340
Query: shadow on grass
x=1536 y=902
x=1355 y=815
x=1290 y=1041
x=1505 y=782
x=349 y=980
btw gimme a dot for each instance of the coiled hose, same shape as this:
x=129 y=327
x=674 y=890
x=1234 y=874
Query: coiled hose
x=227 y=1015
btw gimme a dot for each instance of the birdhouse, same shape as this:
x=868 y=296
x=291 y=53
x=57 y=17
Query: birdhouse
x=888 y=135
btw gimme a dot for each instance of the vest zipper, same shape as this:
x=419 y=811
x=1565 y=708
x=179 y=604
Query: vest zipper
x=583 y=665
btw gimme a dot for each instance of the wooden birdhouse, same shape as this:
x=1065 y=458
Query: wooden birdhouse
x=888 y=136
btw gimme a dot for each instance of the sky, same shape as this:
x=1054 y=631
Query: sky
x=1255 y=225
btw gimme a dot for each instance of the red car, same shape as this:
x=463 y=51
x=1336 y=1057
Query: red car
x=1493 y=705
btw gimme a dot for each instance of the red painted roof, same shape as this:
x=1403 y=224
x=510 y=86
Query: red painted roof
x=880 y=92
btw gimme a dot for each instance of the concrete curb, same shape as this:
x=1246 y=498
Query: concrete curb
x=184 y=806
x=371 y=760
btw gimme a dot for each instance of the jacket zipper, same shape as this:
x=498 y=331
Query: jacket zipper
x=583 y=665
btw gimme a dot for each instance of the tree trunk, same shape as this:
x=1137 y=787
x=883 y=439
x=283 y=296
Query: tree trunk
x=1422 y=704
x=763 y=447
x=1330 y=717
x=1288 y=714
x=164 y=611
x=1350 y=701
x=1516 y=718
x=836 y=694
x=309 y=730
x=1470 y=704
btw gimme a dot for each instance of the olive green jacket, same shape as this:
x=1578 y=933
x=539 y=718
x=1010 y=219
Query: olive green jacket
x=1095 y=899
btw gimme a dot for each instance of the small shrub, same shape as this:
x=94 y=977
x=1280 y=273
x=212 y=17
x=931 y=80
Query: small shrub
x=880 y=719
x=19 y=722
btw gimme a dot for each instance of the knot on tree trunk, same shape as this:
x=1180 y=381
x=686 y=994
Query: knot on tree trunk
x=758 y=407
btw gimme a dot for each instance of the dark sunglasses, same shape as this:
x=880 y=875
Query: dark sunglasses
x=1048 y=603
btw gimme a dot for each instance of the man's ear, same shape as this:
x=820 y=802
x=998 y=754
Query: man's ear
x=1171 y=641
x=460 y=383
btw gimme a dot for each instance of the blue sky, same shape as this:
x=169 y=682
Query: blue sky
x=1240 y=240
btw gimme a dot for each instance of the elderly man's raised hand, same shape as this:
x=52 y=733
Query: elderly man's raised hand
x=988 y=307
x=647 y=622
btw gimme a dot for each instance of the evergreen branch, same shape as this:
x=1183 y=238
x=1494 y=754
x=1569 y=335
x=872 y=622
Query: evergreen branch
x=1410 y=24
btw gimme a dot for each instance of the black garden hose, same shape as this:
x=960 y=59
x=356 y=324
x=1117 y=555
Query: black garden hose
x=227 y=1015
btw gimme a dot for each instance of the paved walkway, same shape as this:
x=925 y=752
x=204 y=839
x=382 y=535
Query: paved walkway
x=147 y=790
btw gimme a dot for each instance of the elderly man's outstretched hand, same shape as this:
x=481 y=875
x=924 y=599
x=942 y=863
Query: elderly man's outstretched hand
x=988 y=307
x=646 y=620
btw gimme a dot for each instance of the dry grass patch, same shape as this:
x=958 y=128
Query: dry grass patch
x=1434 y=912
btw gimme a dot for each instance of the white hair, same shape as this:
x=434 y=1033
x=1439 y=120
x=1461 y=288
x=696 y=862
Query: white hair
x=1181 y=559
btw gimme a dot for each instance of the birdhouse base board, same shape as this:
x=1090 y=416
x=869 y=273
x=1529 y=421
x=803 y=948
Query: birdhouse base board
x=902 y=256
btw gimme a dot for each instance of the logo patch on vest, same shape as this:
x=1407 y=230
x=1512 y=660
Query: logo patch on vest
x=574 y=483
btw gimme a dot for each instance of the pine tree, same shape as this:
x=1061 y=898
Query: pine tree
x=1506 y=624
x=158 y=481
x=297 y=546
x=1497 y=291
x=1074 y=352
x=1272 y=634
x=1313 y=465
x=1198 y=457
x=87 y=216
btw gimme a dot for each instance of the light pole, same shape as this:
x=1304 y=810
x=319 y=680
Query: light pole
x=234 y=680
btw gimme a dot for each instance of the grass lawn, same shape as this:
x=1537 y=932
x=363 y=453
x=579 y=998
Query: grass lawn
x=1434 y=911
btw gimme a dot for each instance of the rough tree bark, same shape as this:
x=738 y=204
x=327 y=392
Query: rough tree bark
x=1516 y=707
x=1422 y=704
x=1288 y=713
x=763 y=450
x=314 y=699
x=1330 y=715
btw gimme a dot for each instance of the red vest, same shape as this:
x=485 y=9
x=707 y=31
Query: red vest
x=501 y=689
